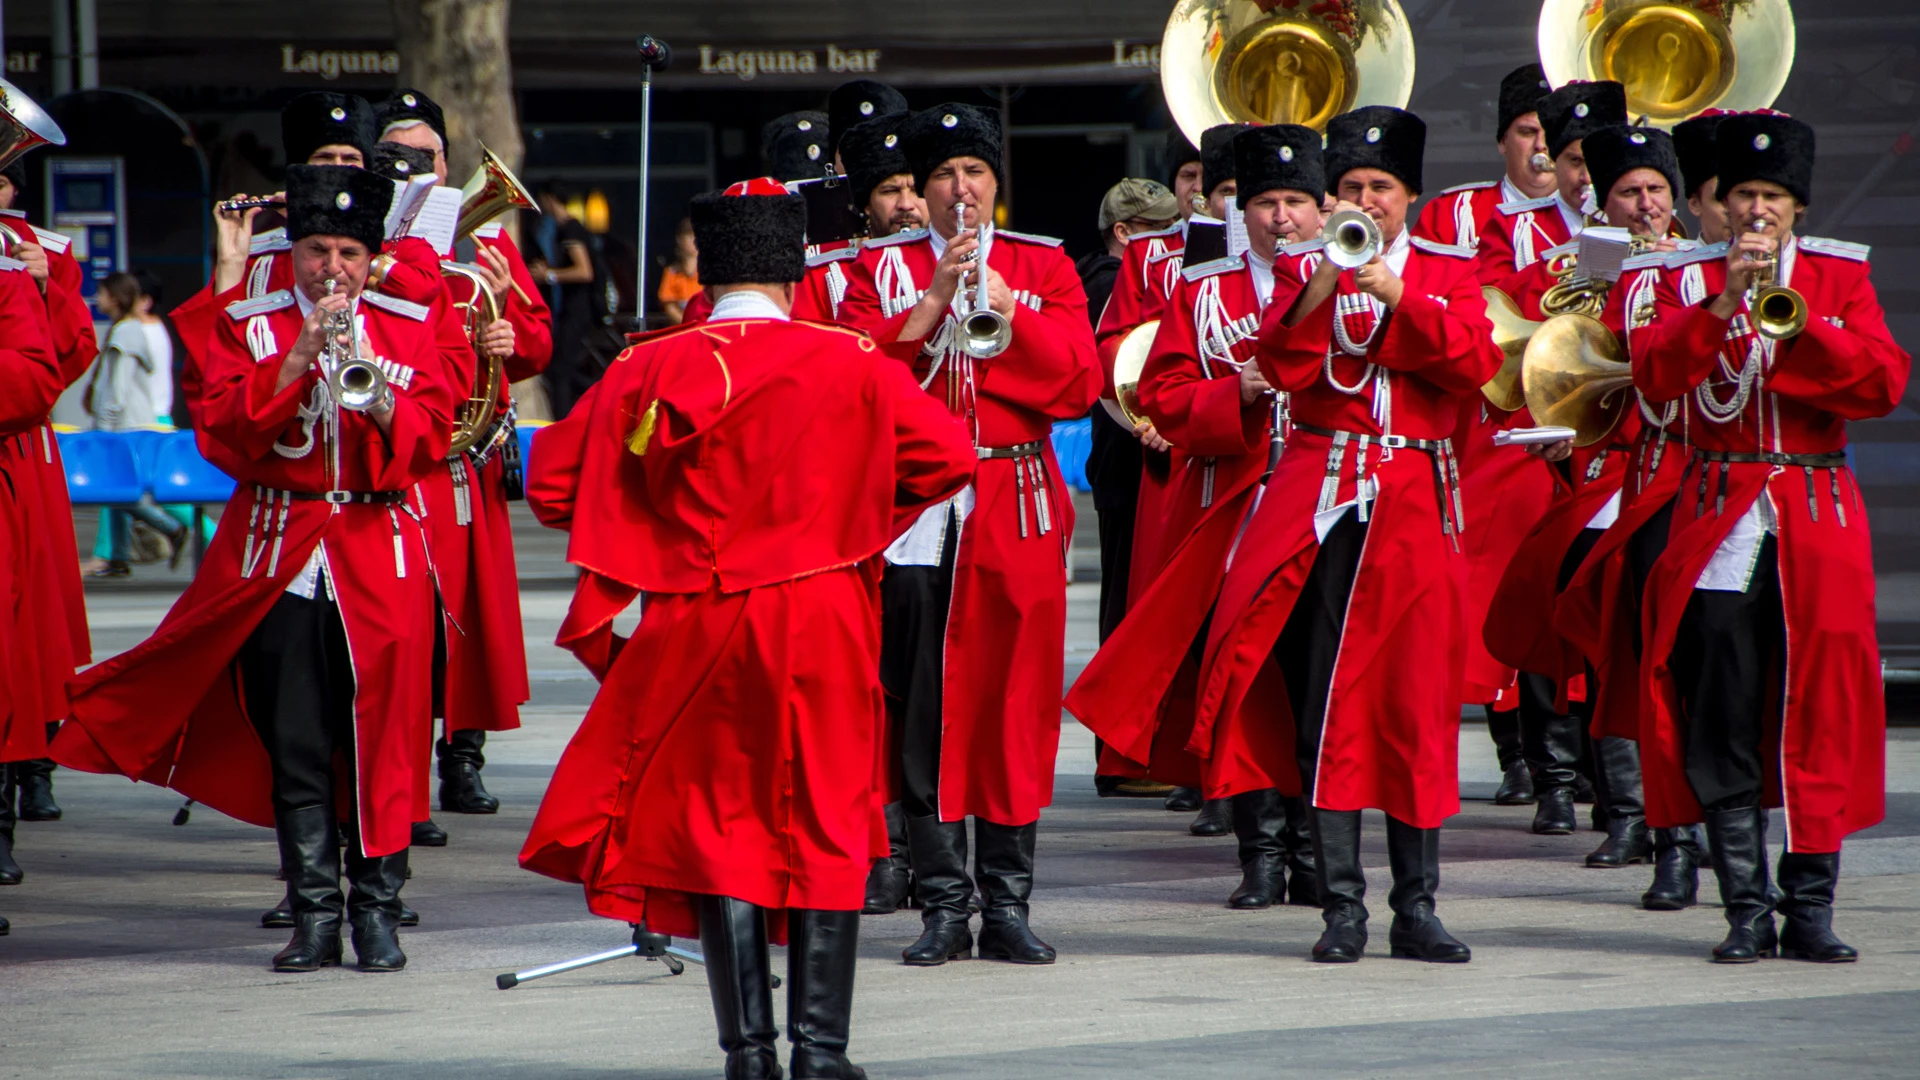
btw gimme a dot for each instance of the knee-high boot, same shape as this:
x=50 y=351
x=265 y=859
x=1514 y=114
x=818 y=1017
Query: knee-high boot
x=1516 y=780
x=820 y=961
x=1621 y=805
x=888 y=880
x=1303 y=876
x=1343 y=885
x=1417 y=933
x=310 y=852
x=1676 y=870
x=938 y=850
x=1258 y=819
x=1807 y=882
x=1551 y=740
x=1003 y=863
x=1739 y=849
x=733 y=938
x=10 y=872
x=373 y=907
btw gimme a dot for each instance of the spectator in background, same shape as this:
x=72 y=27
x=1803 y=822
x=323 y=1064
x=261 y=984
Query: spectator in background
x=681 y=280
x=576 y=292
x=120 y=397
x=159 y=344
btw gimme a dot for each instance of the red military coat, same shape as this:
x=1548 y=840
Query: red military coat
x=170 y=711
x=819 y=294
x=1007 y=621
x=34 y=666
x=741 y=477
x=1828 y=756
x=1519 y=234
x=1391 y=733
x=1137 y=694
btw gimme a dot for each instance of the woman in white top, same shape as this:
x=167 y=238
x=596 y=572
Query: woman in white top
x=120 y=397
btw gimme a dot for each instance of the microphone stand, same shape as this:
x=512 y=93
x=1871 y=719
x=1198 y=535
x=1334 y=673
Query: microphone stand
x=655 y=55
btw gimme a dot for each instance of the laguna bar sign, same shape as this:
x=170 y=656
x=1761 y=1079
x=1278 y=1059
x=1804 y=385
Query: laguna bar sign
x=749 y=64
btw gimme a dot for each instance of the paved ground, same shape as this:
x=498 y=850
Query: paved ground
x=135 y=952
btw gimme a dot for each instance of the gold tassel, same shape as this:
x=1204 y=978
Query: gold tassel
x=643 y=435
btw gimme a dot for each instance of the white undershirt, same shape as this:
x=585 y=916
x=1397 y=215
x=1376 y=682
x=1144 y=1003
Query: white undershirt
x=306 y=584
x=1262 y=270
x=747 y=304
x=923 y=544
x=1575 y=221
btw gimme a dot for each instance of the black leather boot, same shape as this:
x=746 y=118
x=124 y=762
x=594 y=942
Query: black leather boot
x=1554 y=814
x=1417 y=933
x=10 y=872
x=1622 y=806
x=374 y=908
x=310 y=852
x=1258 y=819
x=939 y=853
x=1214 y=819
x=1003 y=864
x=461 y=760
x=1303 y=876
x=280 y=916
x=1516 y=780
x=1343 y=886
x=428 y=834
x=5 y=926
x=1628 y=841
x=35 y=781
x=820 y=961
x=888 y=881
x=1738 y=840
x=733 y=938
x=1676 y=871
x=1808 y=881
x=1183 y=800
x=1550 y=739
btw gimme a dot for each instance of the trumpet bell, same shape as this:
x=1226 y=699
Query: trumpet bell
x=1779 y=312
x=1575 y=375
x=1676 y=58
x=985 y=333
x=1353 y=239
x=1512 y=330
x=24 y=125
x=491 y=191
x=357 y=385
x=1255 y=61
x=1129 y=363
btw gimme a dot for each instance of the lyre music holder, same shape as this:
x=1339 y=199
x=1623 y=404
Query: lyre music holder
x=646 y=944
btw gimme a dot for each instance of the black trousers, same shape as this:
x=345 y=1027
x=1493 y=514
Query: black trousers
x=1644 y=549
x=1310 y=642
x=297 y=677
x=913 y=635
x=1728 y=663
x=1116 y=558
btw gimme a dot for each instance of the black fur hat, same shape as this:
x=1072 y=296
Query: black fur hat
x=856 y=102
x=1613 y=152
x=1178 y=153
x=17 y=173
x=322 y=118
x=1578 y=109
x=752 y=233
x=1693 y=143
x=397 y=162
x=337 y=200
x=940 y=134
x=1766 y=146
x=813 y=122
x=403 y=105
x=1216 y=155
x=1520 y=93
x=801 y=155
x=872 y=151
x=1282 y=156
x=1377 y=137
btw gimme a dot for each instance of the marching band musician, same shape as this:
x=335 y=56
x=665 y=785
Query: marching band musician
x=1769 y=555
x=854 y=103
x=1508 y=491
x=1522 y=231
x=308 y=632
x=32 y=682
x=1205 y=393
x=1347 y=578
x=53 y=602
x=974 y=597
x=749 y=690
x=880 y=183
x=1635 y=173
x=485 y=650
x=1147 y=282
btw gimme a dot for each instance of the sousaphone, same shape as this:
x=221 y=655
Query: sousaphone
x=24 y=125
x=1676 y=58
x=1262 y=62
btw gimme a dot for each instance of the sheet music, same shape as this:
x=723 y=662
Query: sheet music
x=436 y=219
x=407 y=197
x=1237 y=240
x=1603 y=250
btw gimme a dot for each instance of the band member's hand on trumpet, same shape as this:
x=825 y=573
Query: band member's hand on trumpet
x=1752 y=253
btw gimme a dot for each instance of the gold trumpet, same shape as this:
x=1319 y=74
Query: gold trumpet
x=1676 y=58
x=1253 y=61
x=1779 y=312
x=1575 y=375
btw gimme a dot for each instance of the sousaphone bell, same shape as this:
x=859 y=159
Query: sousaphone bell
x=24 y=126
x=1676 y=58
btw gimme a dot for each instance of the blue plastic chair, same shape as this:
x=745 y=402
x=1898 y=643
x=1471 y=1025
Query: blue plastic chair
x=102 y=469
x=526 y=430
x=146 y=444
x=1072 y=445
x=179 y=474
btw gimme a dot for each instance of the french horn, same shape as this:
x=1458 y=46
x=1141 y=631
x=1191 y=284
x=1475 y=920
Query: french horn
x=1575 y=374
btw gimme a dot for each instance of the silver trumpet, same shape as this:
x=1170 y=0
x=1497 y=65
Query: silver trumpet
x=984 y=332
x=1540 y=163
x=356 y=383
x=1353 y=239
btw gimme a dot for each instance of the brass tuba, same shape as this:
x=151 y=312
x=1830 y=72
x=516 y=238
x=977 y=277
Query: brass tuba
x=24 y=125
x=1575 y=375
x=491 y=191
x=478 y=308
x=1254 y=61
x=1675 y=57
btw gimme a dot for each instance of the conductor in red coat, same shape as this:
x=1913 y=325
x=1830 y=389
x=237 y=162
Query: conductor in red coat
x=1761 y=663
x=1347 y=580
x=743 y=476
x=975 y=593
x=307 y=636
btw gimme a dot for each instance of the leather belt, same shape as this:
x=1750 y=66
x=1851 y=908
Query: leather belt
x=378 y=498
x=1804 y=461
x=1390 y=442
x=1018 y=450
x=1446 y=473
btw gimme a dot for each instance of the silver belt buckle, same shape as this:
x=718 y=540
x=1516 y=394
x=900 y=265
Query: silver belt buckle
x=339 y=497
x=1394 y=442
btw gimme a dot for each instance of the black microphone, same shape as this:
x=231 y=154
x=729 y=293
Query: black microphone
x=654 y=53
